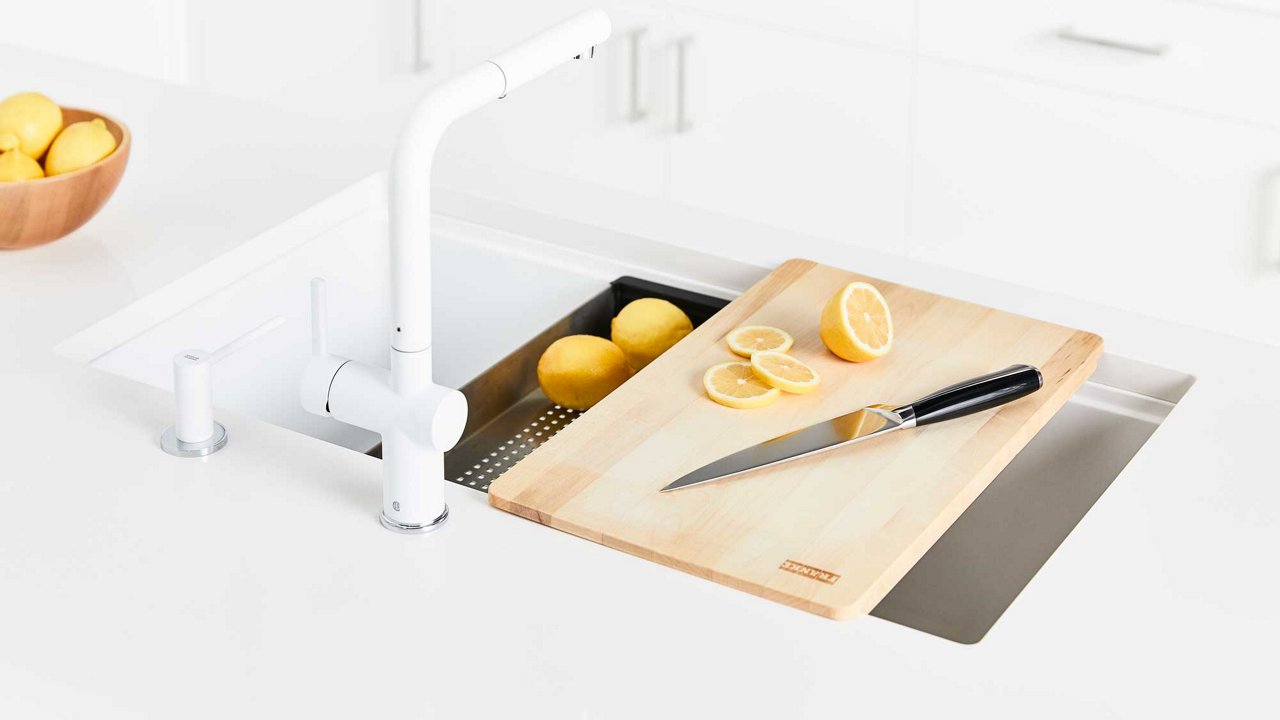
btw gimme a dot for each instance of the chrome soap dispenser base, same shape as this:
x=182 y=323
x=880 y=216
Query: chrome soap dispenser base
x=172 y=445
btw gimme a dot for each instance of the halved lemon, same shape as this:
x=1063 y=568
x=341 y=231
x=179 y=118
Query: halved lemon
x=735 y=385
x=751 y=339
x=784 y=372
x=856 y=324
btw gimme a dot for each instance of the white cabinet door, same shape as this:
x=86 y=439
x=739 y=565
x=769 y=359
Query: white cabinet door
x=585 y=121
x=888 y=23
x=1157 y=211
x=145 y=37
x=300 y=51
x=791 y=131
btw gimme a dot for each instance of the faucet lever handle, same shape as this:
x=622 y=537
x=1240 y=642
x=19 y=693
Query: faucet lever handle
x=319 y=318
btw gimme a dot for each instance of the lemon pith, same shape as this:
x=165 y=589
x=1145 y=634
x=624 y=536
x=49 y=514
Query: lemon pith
x=750 y=339
x=784 y=372
x=856 y=324
x=735 y=385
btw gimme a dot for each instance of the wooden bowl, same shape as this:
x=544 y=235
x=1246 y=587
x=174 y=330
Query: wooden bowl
x=34 y=212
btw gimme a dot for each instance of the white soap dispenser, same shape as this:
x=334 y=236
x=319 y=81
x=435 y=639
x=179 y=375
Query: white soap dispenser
x=195 y=433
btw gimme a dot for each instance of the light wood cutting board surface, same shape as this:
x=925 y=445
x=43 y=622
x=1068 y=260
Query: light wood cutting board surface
x=832 y=533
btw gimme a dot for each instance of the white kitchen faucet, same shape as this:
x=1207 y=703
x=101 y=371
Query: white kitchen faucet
x=419 y=420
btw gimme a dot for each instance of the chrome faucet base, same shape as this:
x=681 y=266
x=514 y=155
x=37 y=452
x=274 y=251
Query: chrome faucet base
x=404 y=529
x=172 y=445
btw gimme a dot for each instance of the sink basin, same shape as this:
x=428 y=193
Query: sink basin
x=958 y=590
x=977 y=568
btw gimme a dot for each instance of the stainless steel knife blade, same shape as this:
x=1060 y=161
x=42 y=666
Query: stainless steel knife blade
x=955 y=401
x=846 y=429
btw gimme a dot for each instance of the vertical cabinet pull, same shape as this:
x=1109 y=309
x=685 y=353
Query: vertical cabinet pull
x=1071 y=34
x=420 y=61
x=683 y=122
x=635 y=42
x=1269 y=227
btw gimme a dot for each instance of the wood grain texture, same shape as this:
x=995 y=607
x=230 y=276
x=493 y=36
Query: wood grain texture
x=35 y=212
x=866 y=514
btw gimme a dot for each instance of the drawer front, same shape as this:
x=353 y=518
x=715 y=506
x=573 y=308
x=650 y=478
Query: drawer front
x=1203 y=57
x=1112 y=201
x=792 y=132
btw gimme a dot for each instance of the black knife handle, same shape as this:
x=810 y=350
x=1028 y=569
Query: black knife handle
x=977 y=394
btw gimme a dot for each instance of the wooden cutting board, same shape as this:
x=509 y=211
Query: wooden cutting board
x=832 y=533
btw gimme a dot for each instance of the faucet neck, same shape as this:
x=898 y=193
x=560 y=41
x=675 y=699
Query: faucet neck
x=410 y=199
x=410 y=184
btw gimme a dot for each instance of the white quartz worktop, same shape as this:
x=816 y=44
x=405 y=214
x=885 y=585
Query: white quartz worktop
x=258 y=582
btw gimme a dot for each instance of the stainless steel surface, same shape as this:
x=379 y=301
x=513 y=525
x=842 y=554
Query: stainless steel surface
x=1155 y=49
x=404 y=529
x=172 y=445
x=976 y=570
x=830 y=434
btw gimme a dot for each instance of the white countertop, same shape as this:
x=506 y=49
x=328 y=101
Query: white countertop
x=133 y=584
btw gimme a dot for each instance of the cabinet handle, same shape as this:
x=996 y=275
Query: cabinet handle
x=683 y=123
x=1269 y=228
x=635 y=40
x=1070 y=34
x=420 y=61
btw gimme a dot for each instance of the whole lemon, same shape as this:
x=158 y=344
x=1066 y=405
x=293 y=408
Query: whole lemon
x=648 y=327
x=14 y=165
x=579 y=370
x=79 y=145
x=33 y=118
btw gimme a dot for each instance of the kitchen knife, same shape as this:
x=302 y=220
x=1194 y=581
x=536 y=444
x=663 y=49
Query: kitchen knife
x=971 y=396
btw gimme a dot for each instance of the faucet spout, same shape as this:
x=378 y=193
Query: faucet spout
x=410 y=182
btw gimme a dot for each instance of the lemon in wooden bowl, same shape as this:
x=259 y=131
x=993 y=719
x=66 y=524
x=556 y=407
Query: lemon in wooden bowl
x=40 y=210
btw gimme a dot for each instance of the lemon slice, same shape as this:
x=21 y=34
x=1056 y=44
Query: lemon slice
x=735 y=385
x=750 y=339
x=856 y=324
x=784 y=372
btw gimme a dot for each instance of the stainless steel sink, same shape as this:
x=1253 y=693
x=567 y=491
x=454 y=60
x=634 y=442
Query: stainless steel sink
x=971 y=575
x=966 y=581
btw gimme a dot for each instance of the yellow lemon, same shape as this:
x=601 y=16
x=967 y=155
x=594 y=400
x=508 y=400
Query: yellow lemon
x=751 y=339
x=780 y=370
x=14 y=165
x=32 y=118
x=648 y=327
x=735 y=385
x=79 y=145
x=856 y=324
x=579 y=370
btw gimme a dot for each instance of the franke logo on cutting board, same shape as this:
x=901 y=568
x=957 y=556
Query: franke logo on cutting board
x=809 y=571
